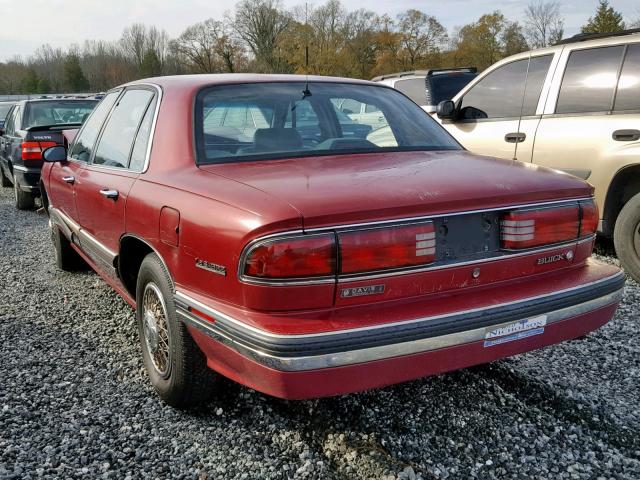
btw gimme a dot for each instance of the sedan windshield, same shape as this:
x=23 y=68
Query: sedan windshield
x=56 y=112
x=276 y=120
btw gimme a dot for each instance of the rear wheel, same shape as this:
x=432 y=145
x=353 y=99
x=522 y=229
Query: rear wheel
x=67 y=258
x=23 y=200
x=176 y=366
x=626 y=237
x=4 y=180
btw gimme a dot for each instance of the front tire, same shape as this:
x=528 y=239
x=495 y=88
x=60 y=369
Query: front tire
x=626 y=237
x=176 y=366
x=67 y=259
x=4 y=180
x=23 y=200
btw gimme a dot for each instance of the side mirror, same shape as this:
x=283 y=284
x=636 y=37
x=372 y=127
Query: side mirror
x=446 y=109
x=55 y=154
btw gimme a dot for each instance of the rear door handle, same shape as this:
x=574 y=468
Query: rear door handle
x=626 y=135
x=69 y=179
x=109 y=193
x=515 y=137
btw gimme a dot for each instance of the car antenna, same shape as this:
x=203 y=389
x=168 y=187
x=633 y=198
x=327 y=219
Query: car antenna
x=306 y=92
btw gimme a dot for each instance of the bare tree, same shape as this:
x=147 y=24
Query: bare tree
x=138 y=39
x=422 y=34
x=544 y=25
x=261 y=24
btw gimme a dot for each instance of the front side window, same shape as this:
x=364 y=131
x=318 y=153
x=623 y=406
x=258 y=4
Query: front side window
x=590 y=80
x=86 y=139
x=115 y=143
x=628 y=95
x=497 y=95
x=293 y=119
x=57 y=112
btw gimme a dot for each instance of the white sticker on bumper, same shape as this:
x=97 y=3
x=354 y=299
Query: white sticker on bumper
x=515 y=331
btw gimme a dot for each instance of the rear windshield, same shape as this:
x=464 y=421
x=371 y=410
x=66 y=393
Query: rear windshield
x=445 y=87
x=56 y=112
x=4 y=109
x=414 y=88
x=275 y=120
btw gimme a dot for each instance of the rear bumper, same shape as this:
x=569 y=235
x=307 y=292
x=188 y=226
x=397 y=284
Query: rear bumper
x=28 y=178
x=343 y=361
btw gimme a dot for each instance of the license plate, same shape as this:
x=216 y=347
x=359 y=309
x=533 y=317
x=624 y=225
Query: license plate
x=509 y=332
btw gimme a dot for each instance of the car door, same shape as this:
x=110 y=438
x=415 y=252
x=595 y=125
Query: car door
x=4 y=142
x=8 y=140
x=63 y=175
x=590 y=127
x=104 y=183
x=498 y=114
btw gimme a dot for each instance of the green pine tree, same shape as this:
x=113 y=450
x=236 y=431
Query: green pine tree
x=74 y=78
x=150 y=66
x=30 y=82
x=606 y=20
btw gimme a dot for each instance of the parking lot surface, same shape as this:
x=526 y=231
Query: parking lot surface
x=75 y=400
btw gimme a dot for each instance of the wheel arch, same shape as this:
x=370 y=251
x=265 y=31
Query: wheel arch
x=624 y=185
x=133 y=250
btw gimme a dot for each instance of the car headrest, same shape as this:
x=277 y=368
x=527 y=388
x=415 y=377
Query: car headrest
x=276 y=139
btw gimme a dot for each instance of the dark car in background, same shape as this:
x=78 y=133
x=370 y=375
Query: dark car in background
x=30 y=127
x=429 y=87
x=4 y=110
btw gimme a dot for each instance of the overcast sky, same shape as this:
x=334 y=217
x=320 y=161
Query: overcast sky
x=27 y=24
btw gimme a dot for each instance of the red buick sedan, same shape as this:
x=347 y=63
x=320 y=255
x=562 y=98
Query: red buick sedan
x=317 y=236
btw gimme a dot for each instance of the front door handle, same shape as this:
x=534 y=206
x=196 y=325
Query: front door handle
x=626 y=135
x=70 y=179
x=516 y=137
x=109 y=193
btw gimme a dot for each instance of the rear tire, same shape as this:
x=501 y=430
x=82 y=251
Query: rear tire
x=67 y=259
x=4 y=180
x=626 y=237
x=176 y=366
x=24 y=200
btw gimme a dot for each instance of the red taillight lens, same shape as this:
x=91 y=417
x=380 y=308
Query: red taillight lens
x=297 y=257
x=537 y=227
x=384 y=248
x=33 y=150
x=590 y=218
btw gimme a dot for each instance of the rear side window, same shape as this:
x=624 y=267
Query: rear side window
x=628 y=96
x=11 y=122
x=139 y=152
x=86 y=138
x=590 y=80
x=115 y=143
x=499 y=94
x=414 y=88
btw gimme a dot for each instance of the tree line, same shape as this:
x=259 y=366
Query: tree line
x=263 y=36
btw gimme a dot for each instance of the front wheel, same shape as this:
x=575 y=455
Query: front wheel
x=23 y=200
x=626 y=237
x=176 y=366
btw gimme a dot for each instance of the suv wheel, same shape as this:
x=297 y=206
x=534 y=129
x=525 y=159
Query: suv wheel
x=4 y=181
x=67 y=258
x=626 y=237
x=176 y=366
x=23 y=200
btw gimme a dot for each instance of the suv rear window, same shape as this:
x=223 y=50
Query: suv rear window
x=275 y=120
x=56 y=112
x=445 y=86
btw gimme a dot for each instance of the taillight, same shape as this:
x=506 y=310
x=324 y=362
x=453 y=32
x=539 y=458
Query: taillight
x=589 y=218
x=33 y=150
x=296 y=257
x=385 y=248
x=540 y=226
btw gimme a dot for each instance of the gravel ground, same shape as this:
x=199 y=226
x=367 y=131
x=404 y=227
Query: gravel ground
x=75 y=400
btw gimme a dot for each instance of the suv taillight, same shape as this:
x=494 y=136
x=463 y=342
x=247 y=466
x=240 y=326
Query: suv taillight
x=537 y=227
x=33 y=150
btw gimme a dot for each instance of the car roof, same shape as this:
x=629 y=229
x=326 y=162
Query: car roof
x=198 y=81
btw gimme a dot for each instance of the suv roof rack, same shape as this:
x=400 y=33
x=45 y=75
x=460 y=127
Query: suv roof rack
x=425 y=73
x=583 y=37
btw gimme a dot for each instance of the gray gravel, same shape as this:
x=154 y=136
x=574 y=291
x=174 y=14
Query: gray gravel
x=75 y=401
